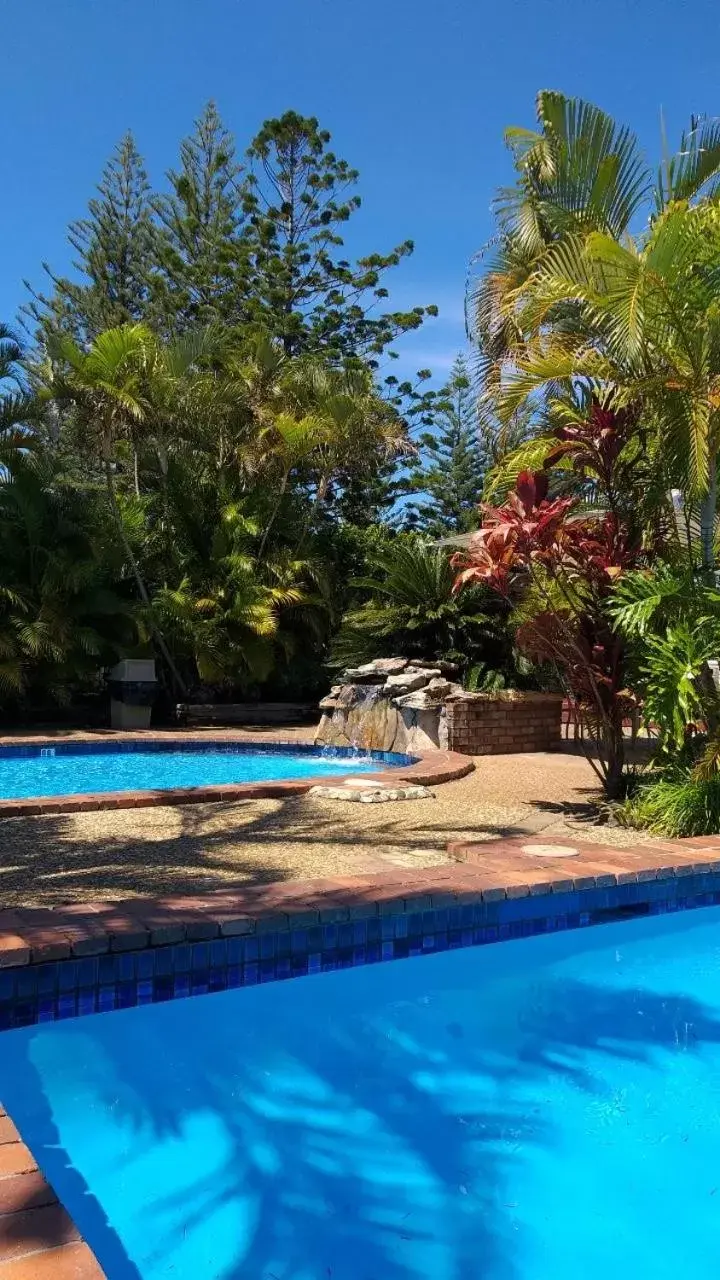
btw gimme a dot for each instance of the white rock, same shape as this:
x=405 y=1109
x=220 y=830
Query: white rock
x=407 y=681
x=385 y=666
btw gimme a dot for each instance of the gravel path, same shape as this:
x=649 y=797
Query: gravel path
x=122 y=853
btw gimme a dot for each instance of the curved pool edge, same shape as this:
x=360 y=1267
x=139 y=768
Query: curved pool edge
x=430 y=769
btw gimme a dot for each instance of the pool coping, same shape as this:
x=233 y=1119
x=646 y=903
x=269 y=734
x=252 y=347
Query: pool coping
x=489 y=892
x=430 y=769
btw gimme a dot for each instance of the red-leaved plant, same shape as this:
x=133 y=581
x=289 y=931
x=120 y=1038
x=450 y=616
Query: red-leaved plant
x=564 y=562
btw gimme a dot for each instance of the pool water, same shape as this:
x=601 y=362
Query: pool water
x=534 y=1110
x=69 y=772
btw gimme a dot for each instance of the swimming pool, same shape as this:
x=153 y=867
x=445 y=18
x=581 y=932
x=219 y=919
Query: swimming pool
x=80 y=768
x=532 y=1110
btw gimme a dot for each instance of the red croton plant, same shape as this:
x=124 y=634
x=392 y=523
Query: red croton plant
x=559 y=563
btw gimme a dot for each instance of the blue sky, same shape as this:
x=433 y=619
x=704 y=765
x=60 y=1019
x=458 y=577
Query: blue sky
x=415 y=92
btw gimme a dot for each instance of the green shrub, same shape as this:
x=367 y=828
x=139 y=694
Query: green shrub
x=678 y=803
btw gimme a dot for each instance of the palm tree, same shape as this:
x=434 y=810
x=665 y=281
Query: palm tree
x=62 y=612
x=573 y=301
x=648 y=336
x=578 y=172
x=109 y=386
x=20 y=410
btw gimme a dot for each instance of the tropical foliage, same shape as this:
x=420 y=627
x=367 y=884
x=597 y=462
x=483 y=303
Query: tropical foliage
x=411 y=608
x=448 y=472
x=196 y=441
x=599 y=294
x=201 y=459
x=558 y=560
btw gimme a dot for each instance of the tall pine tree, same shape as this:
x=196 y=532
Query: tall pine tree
x=449 y=471
x=298 y=197
x=115 y=247
x=200 y=250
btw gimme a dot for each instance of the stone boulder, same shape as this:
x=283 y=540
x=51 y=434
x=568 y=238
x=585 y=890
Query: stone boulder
x=391 y=704
x=373 y=795
x=384 y=666
x=445 y=667
x=407 y=681
x=362 y=675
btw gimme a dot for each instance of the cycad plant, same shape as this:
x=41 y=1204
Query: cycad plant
x=411 y=609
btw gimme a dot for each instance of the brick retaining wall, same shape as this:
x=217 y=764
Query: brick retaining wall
x=482 y=724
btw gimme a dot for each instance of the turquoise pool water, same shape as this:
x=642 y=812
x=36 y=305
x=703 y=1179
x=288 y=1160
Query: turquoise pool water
x=72 y=772
x=536 y=1110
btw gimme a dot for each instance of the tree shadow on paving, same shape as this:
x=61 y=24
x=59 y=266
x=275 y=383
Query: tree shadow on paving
x=64 y=858
x=384 y=1147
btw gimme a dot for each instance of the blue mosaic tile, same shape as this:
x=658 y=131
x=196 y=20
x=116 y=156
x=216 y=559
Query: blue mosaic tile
x=46 y=1009
x=46 y=979
x=25 y=1013
x=87 y=1002
x=67 y=976
x=345 y=935
x=127 y=995
x=87 y=971
x=106 y=969
x=182 y=958
x=181 y=985
x=217 y=979
x=235 y=950
x=66 y=1006
x=200 y=955
x=26 y=986
x=145 y=967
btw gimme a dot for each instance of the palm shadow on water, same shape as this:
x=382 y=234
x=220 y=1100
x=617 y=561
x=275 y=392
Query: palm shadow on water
x=368 y=1124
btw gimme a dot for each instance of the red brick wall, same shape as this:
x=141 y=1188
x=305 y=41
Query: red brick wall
x=481 y=724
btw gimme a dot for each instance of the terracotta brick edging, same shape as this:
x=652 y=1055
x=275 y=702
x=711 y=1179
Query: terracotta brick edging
x=431 y=768
x=38 y=1239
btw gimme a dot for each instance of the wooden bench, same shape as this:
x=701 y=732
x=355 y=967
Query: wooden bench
x=260 y=713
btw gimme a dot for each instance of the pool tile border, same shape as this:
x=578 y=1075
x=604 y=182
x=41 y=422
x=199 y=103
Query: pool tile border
x=428 y=769
x=81 y=959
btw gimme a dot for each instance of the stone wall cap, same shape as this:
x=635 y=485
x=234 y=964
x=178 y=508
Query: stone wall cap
x=504 y=695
